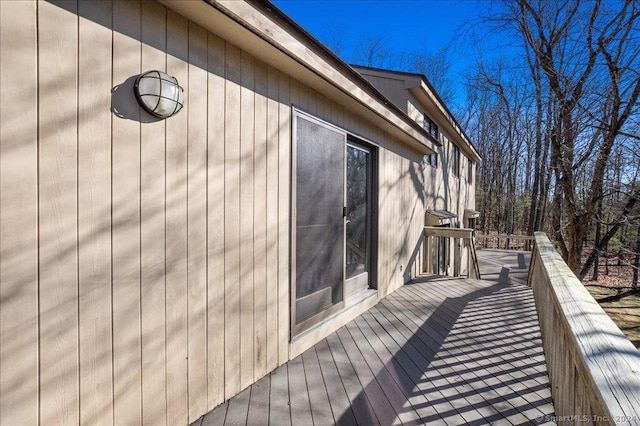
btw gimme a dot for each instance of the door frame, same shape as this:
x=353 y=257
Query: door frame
x=372 y=213
x=297 y=329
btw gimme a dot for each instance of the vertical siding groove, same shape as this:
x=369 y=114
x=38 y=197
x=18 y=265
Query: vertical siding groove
x=215 y=222
x=19 y=214
x=232 y=228
x=176 y=230
x=272 y=216
x=58 y=128
x=247 y=108
x=260 y=223
x=197 y=219
x=152 y=211
x=284 y=176
x=94 y=211
x=126 y=222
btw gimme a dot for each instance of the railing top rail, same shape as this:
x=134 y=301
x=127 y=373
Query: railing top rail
x=607 y=356
x=437 y=231
x=506 y=236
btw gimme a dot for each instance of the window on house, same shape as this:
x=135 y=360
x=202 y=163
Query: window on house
x=430 y=127
x=431 y=159
x=455 y=161
x=470 y=177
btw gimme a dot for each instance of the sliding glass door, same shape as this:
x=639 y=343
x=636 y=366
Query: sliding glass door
x=319 y=220
x=332 y=198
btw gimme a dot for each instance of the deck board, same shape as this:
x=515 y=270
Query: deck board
x=338 y=399
x=362 y=409
x=279 y=413
x=259 y=402
x=438 y=351
x=298 y=393
x=318 y=398
x=238 y=408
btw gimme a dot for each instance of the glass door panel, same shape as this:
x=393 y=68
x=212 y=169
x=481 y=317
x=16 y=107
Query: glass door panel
x=358 y=219
x=319 y=219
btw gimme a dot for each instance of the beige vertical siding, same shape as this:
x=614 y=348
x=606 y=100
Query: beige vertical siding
x=215 y=221
x=58 y=219
x=176 y=242
x=197 y=113
x=144 y=264
x=125 y=224
x=272 y=340
x=152 y=230
x=94 y=212
x=19 y=340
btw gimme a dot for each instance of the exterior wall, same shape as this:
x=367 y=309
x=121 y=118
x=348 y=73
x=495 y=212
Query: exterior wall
x=392 y=88
x=444 y=189
x=144 y=265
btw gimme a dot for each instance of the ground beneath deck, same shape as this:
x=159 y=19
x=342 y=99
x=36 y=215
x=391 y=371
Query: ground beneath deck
x=438 y=351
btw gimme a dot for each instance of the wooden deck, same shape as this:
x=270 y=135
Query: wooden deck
x=493 y=263
x=438 y=350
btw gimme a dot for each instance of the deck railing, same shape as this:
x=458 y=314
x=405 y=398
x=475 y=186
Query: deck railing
x=505 y=241
x=593 y=368
x=460 y=242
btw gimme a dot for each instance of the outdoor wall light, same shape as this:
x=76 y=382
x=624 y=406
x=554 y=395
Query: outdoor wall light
x=159 y=94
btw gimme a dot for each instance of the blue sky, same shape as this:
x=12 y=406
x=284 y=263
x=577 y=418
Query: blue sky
x=409 y=26
x=412 y=24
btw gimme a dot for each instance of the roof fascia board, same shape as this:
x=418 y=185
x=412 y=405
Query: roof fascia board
x=253 y=31
x=425 y=94
x=417 y=85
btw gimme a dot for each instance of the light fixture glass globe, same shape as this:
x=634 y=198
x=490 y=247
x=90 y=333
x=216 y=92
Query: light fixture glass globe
x=159 y=94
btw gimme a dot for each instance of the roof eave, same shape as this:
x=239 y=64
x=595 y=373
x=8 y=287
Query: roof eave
x=425 y=90
x=260 y=29
x=419 y=86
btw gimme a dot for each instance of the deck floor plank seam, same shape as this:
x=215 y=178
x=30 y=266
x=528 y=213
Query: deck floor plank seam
x=454 y=414
x=381 y=405
x=259 y=402
x=299 y=394
x=318 y=397
x=279 y=406
x=336 y=392
x=360 y=404
x=392 y=390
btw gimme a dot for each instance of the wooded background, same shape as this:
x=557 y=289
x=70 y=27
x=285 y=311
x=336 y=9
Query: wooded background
x=555 y=120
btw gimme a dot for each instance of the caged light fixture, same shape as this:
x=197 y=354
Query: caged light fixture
x=159 y=94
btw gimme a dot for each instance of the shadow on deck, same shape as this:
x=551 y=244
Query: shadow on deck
x=438 y=350
x=504 y=265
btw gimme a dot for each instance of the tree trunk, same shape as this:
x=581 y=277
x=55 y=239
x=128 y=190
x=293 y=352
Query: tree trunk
x=636 y=260
x=596 y=264
x=630 y=204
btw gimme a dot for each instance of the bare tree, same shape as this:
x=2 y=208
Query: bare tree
x=437 y=68
x=588 y=53
x=373 y=52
